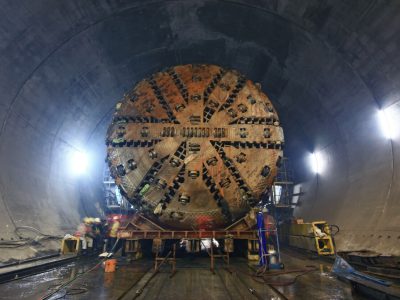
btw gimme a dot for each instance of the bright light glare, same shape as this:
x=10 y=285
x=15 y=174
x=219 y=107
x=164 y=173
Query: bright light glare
x=79 y=162
x=277 y=193
x=317 y=162
x=386 y=123
x=206 y=243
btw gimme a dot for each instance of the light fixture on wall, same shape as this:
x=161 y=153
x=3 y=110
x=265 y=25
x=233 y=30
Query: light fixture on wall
x=386 y=122
x=317 y=162
x=78 y=162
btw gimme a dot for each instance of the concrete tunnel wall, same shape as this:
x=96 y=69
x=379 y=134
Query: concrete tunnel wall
x=328 y=66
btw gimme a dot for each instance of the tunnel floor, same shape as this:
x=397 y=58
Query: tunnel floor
x=193 y=280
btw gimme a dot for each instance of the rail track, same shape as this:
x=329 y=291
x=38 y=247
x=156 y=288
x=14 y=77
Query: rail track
x=135 y=290
x=239 y=276
x=235 y=285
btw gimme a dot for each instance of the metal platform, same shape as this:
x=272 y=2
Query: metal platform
x=202 y=234
x=140 y=227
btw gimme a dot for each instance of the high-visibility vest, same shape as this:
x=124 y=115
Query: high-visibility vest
x=114 y=229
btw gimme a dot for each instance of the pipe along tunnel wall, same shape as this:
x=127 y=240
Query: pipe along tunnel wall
x=327 y=67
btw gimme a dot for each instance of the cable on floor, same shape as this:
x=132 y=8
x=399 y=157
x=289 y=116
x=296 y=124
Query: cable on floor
x=262 y=275
x=78 y=276
x=72 y=291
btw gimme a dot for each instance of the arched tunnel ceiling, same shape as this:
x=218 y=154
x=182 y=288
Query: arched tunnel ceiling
x=327 y=66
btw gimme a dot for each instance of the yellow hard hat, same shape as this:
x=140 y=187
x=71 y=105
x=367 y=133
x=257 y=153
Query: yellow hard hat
x=86 y=220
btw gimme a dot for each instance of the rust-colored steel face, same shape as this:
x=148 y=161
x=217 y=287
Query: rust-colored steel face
x=194 y=146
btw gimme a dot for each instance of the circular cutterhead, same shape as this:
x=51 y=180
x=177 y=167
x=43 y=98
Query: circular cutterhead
x=194 y=146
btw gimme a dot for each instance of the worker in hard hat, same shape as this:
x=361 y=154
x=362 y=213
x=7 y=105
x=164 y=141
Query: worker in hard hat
x=114 y=243
x=114 y=231
x=98 y=234
x=84 y=233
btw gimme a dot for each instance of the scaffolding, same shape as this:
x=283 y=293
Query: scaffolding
x=112 y=195
x=282 y=188
x=281 y=198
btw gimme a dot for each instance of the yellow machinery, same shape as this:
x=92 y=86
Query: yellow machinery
x=70 y=245
x=314 y=236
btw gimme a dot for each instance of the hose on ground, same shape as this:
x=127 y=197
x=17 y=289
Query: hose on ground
x=333 y=230
x=72 y=291
x=68 y=282
x=262 y=275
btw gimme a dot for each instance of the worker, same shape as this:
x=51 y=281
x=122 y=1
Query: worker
x=271 y=239
x=114 y=243
x=113 y=233
x=84 y=233
x=269 y=223
x=98 y=234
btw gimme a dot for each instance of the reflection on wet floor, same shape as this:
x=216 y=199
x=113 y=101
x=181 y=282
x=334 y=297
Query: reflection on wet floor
x=192 y=281
x=94 y=285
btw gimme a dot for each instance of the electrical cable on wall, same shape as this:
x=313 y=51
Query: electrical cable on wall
x=25 y=241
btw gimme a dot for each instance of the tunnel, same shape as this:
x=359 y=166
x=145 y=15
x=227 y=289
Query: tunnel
x=330 y=68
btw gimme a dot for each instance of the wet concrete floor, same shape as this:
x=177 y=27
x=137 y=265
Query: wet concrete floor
x=193 y=280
